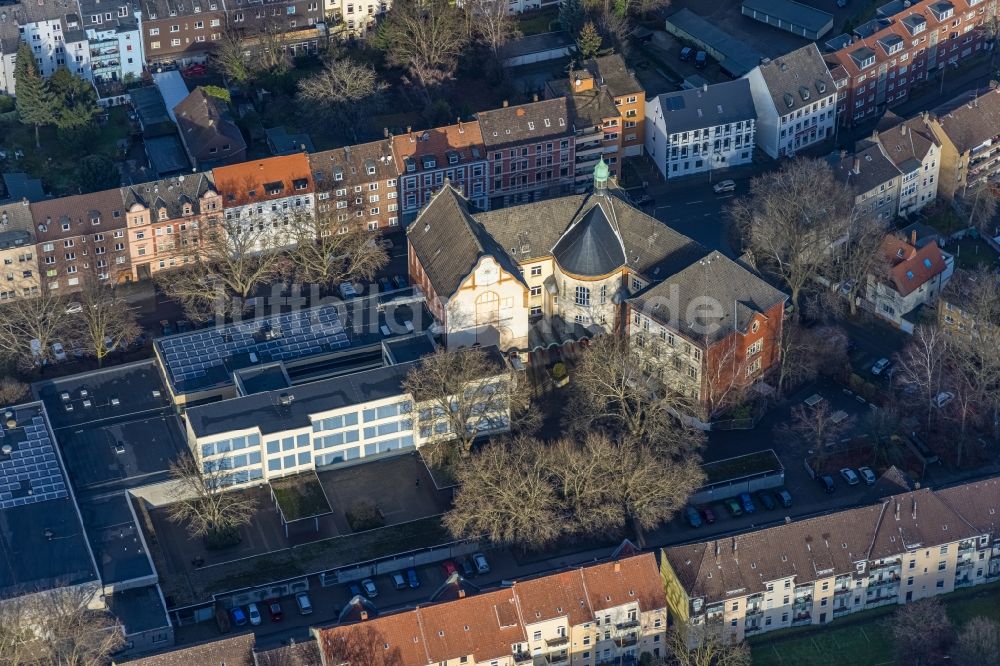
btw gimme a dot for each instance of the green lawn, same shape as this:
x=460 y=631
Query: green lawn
x=972 y=253
x=863 y=639
x=534 y=23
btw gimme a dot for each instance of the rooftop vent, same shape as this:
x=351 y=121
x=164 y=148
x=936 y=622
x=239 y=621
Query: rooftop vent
x=285 y=399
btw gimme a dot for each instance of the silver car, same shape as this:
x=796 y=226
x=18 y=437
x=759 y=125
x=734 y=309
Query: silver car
x=850 y=476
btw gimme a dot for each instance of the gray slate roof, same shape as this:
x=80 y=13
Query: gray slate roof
x=524 y=123
x=787 y=75
x=906 y=142
x=590 y=248
x=611 y=71
x=718 y=104
x=874 y=168
x=170 y=193
x=969 y=120
x=739 y=293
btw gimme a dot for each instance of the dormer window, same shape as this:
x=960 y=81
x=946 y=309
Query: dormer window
x=300 y=183
x=163 y=213
x=942 y=10
x=187 y=209
x=338 y=175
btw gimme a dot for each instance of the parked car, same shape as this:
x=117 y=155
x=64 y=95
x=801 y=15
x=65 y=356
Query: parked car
x=400 y=282
x=766 y=500
x=724 y=186
x=398 y=580
x=384 y=284
x=734 y=507
x=58 y=351
x=850 y=476
x=368 y=585
x=449 y=568
x=785 y=498
x=304 y=604
x=239 y=617
x=708 y=515
x=686 y=53
x=274 y=610
x=386 y=243
x=254 y=614
x=347 y=290
x=747 y=503
x=881 y=366
x=73 y=307
x=693 y=517
x=700 y=60
x=196 y=69
x=826 y=481
x=940 y=400
x=468 y=569
x=482 y=566
x=868 y=475
x=412 y=579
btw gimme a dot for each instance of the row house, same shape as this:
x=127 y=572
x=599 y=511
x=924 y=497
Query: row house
x=116 y=48
x=530 y=149
x=81 y=240
x=713 y=358
x=877 y=66
x=796 y=101
x=424 y=160
x=912 y=276
x=52 y=30
x=608 y=613
x=357 y=184
x=912 y=146
x=181 y=31
x=20 y=265
x=608 y=106
x=872 y=178
x=358 y=16
x=703 y=129
x=299 y=25
x=165 y=219
x=907 y=546
x=968 y=128
x=262 y=197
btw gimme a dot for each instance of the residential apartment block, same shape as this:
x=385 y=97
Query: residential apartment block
x=358 y=184
x=52 y=30
x=358 y=16
x=914 y=277
x=796 y=101
x=165 y=219
x=968 y=128
x=115 y=42
x=273 y=429
x=905 y=547
x=81 y=240
x=530 y=149
x=882 y=60
x=298 y=23
x=707 y=128
x=912 y=146
x=19 y=278
x=425 y=159
x=181 y=31
x=265 y=195
x=711 y=359
x=609 y=613
x=872 y=178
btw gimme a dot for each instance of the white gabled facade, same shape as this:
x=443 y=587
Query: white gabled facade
x=55 y=42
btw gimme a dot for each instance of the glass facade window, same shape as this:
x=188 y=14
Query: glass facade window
x=336 y=439
x=232 y=444
x=387 y=411
x=336 y=422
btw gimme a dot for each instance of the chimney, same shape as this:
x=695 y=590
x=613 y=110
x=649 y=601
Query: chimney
x=874 y=135
x=902 y=129
x=704 y=87
x=618 y=566
x=857 y=165
x=897 y=509
x=409 y=129
x=913 y=238
x=461 y=129
x=461 y=593
x=385 y=132
x=914 y=508
x=505 y=104
x=534 y=97
x=364 y=615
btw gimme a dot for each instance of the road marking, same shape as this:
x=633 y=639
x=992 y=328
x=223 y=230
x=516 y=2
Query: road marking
x=706 y=215
x=728 y=196
x=689 y=203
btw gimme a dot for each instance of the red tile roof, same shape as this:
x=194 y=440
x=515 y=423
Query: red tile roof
x=463 y=138
x=912 y=267
x=237 y=181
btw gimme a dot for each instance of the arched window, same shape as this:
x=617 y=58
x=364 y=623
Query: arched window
x=583 y=296
x=487 y=307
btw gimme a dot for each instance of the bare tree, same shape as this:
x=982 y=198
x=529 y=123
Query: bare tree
x=978 y=642
x=357 y=645
x=816 y=426
x=17 y=633
x=808 y=352
x=12 y=391
x=345 y=92
x=493 y=22
x=792 y=219
x=922 y=632
x=232 y=260
x=29 y=326
x=423 y=37
x=612 y=390
x=881 y=427
x=506 y=496
x=581 y=475
x=920 y=367
x=858 y=258
x=232 y=58
x=269 y=53
x=204 y=505
x=106 y=321
x=327 y=252
x=979 y=204
x=467 y=392
x=704 y=646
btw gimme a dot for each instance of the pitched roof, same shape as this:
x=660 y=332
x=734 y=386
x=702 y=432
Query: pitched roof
x=201 y=120
x=16 y=215
x=590 y=247
x=970 y=120
x=263 y=180
x=484 y=625
x=557 y=595
x=911 y=267
x=739 y=293
x=400 y=637
x=464 y=141
x=914 y=520
x=624 y=581
x=797 y=79
x=865 y=169
x=79 y=212
x=708 y=106
x=525 y=123
x=352 y=164
x=977 y=502
x=170 y=193
x=234 y=651
x=905 y=142
x=587 y=107
x=305 y=653
x=611 y=71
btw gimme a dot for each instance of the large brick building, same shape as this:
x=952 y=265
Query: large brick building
x=877 y=66
x=181 y=31
x=358 y=185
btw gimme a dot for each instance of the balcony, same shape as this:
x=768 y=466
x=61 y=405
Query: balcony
x=803 y=601
x=627 y=624
x=626 y=641
x=801 y=619
x=588 y=148
x=556 y=641
x=523 y=658
x=556 y=659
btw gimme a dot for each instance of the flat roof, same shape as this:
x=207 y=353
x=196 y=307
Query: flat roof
x=140 y=609
x=261 y=378
x=796 y=13
x=42 y=542
x=546 y=41
x=738 y=58
x=412 y=348
x=166 y=155
x=205 y=359
x=277 y=411
x=114 y=538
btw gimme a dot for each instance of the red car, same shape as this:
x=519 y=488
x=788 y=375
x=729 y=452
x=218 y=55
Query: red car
x=274 y=610
x=449 y=568
x=707 y=514
x=195 y=70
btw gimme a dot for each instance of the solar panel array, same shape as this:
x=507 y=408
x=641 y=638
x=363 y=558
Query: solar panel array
x=32 y=462
x=294 y=335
